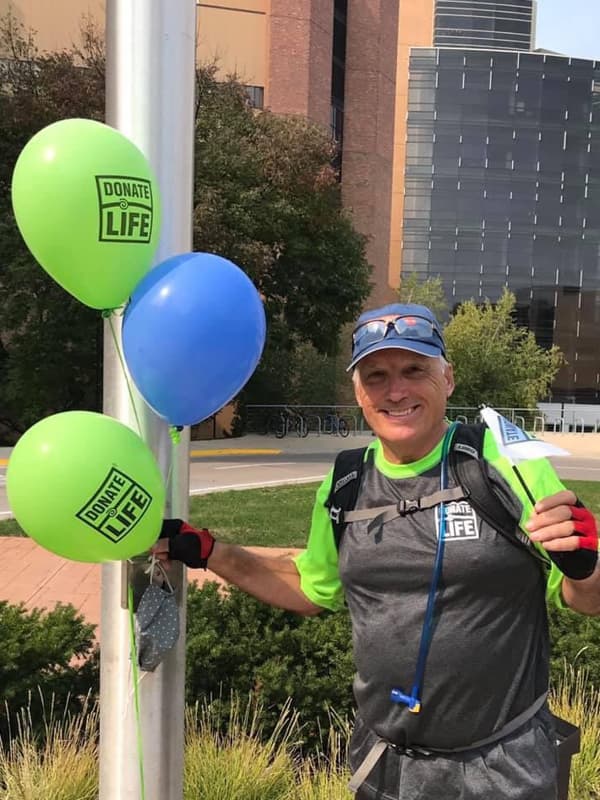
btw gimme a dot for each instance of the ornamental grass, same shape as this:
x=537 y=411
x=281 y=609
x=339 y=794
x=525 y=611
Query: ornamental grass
x=575 y=700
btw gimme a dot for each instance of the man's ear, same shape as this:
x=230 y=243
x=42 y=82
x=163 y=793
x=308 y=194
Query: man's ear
x=357 y=391
x=449 y=376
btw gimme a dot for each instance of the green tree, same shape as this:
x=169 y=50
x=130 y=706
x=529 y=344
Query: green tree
x=49 y=342
x=495 y=360
x=429 y=292
x=266 y=196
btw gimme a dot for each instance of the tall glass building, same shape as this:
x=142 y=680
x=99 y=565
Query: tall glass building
x=502 y=188
x=506 y=25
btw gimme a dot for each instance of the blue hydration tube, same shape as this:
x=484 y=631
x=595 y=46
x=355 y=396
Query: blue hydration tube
x=413 y=700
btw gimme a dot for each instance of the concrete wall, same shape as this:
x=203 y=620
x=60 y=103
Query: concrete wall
x=415 y=30
x=234 y=36
x=56 y=22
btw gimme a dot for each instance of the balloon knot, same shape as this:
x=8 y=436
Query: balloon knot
x=175 y=433
x=108 y=312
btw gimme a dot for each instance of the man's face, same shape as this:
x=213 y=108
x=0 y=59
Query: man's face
x=403 y=397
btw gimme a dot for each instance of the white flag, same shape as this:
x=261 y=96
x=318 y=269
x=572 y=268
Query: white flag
x=515 y=443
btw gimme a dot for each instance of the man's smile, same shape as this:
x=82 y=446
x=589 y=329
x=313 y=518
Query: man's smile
x=400 y=413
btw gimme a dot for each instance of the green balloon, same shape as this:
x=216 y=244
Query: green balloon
x=87 y=206
x=86 y=487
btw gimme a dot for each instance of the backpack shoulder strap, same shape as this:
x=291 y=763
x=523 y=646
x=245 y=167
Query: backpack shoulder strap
x=468 y=466
x=347 y=474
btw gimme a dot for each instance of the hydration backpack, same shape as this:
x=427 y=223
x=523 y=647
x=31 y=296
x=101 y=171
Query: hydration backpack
x=467 y=465
x=468 y=469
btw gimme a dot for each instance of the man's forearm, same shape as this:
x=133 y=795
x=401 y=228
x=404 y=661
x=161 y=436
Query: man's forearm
x=271 y=579
x=583 y=596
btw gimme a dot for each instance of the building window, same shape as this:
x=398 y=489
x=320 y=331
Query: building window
x=256 y=96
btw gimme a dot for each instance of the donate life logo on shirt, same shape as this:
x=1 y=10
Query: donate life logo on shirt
x=461 y=522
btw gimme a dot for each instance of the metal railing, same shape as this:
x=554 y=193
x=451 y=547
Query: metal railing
x=346 y=419
x=319 y=420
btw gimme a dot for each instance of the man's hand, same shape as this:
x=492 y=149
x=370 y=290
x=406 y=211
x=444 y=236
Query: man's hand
x=562 y=524
x=180 y=542
x=568 y=531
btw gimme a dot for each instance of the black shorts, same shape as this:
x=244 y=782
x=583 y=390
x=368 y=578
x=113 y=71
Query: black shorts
x=523 y=766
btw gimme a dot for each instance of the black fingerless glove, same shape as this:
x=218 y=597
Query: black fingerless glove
x=190 y=545
x=580 y=564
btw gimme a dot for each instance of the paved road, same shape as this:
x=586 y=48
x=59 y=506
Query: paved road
x=258 y=461
x=238 y=472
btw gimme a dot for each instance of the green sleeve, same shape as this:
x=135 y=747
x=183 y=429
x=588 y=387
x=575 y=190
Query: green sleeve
x=541 y=480
x=318 y=564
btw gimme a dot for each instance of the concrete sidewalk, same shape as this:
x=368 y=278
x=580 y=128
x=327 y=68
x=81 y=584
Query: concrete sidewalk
x=39 y=579
x=255 y=444
x=577 y=444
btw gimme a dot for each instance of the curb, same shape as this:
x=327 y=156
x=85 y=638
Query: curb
x=210 y=453
x=234 y=452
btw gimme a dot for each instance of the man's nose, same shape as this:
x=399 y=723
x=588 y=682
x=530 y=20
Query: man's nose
x=397 y=387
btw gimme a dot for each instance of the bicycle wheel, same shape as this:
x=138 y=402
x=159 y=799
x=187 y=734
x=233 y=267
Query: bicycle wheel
x=282 y=427
x=302 y=428
x=343 y=427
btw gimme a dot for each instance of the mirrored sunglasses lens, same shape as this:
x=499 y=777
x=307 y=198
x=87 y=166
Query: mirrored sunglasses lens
x=369 y=333
x=414 y=328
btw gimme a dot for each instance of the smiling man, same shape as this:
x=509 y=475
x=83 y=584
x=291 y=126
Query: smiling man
x=450 y=635
x=402 y=390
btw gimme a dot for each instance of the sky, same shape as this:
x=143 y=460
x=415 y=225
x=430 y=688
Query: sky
x=571 y=27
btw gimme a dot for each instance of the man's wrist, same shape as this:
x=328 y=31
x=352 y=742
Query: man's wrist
x=192 y=546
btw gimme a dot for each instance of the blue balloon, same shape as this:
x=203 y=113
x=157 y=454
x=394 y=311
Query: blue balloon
x=193 y=334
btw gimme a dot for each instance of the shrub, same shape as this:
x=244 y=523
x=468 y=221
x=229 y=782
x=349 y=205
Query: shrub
x=237 y=643
x=575 y=641
x=52 y=651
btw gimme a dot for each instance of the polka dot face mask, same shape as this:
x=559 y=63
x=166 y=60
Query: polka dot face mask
x=156 y=624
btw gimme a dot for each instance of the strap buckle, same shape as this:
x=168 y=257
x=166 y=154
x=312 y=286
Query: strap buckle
x=408 y=506
x=335 y=514
x=412 y=751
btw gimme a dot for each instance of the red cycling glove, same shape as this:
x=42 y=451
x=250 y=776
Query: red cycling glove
x=585 y=527
x=581 y=563
x=190 y=545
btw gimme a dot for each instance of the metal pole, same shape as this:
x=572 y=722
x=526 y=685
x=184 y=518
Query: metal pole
x=150 y=82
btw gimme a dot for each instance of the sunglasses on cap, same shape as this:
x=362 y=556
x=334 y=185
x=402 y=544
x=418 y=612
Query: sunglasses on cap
x=411 y=327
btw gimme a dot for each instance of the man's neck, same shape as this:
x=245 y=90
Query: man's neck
x=409 y=452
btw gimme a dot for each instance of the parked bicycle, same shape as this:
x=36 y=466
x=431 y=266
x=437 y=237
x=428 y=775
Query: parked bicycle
x=287 y=421
x=334 y=424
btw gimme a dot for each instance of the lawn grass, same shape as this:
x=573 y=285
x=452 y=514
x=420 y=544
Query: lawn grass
x=279 y=516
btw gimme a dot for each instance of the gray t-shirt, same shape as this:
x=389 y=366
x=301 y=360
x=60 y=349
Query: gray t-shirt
x=488 y=659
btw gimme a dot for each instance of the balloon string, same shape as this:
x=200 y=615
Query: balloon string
x=169 y=476
x=175 y=434
x=124 y=368
x=136 y=690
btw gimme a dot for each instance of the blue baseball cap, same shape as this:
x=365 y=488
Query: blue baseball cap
x=414 y=328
